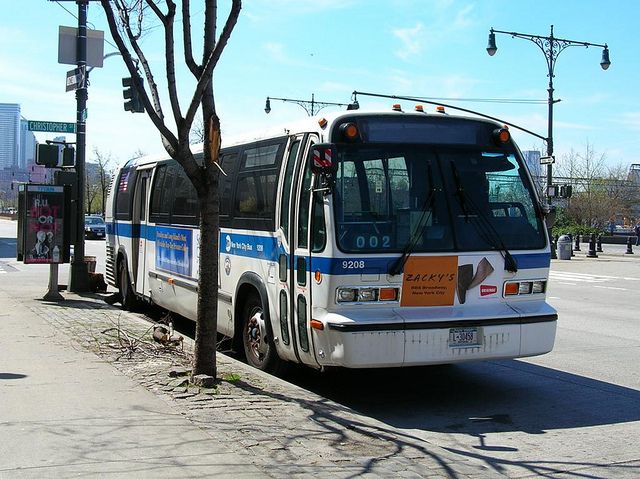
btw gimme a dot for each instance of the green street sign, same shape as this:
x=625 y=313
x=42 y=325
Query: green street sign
x=51 y=126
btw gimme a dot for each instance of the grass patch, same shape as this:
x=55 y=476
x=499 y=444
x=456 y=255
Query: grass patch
x=231 y=377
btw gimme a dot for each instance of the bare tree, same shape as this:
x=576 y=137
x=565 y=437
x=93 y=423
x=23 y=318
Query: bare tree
x=197 y=131
x=103 y=176
x=126 y=19
x=91 y=191
x=598 y=191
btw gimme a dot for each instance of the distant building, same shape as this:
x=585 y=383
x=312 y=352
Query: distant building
x=634 y=177
x=634 y=174
x=532 y=160
x=27 y=155
x=9 y=135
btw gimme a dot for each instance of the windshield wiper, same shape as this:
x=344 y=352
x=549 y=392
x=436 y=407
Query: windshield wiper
x=484 y=227
x=427 y=209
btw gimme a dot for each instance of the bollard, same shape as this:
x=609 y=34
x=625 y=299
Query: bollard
x=571 y=245
x=599 y=244
x=592 y=246
x=577 y=245
x=629 y=246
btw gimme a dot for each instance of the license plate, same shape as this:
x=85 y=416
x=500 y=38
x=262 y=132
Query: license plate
x=463 y=337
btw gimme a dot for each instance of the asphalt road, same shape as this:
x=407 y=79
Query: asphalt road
x=574 y=412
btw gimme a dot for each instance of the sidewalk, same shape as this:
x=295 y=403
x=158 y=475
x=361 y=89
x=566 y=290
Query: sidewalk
x=74 y=403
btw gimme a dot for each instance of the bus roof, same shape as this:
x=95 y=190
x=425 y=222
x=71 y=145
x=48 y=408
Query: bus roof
x=309 y=124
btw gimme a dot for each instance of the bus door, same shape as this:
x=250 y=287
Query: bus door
x=140 y=225
x=300 y=241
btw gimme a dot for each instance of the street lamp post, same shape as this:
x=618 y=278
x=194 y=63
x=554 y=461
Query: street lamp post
x=311 y=107
x=551 y=47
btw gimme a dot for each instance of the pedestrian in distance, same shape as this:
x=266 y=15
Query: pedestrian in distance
x=637 y=231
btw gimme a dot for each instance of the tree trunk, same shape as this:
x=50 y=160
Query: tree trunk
x=206 y=322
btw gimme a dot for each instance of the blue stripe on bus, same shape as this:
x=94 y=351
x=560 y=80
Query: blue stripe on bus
x=380 y=265
x=267 y=248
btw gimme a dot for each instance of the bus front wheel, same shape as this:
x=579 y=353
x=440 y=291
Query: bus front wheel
x=258 y=344
x=127 y=297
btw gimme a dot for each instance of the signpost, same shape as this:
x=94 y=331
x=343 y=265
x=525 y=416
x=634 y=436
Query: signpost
x=74 y=79
x=51 y=126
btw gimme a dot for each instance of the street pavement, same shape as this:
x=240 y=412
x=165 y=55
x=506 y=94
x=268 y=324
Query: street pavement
x=84 y=392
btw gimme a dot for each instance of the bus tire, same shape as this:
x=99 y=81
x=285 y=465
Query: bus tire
x=127 y=296
x=259 y=348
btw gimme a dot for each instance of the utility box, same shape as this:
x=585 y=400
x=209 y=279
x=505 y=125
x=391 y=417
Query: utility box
x=42 y=237
x=564 y=247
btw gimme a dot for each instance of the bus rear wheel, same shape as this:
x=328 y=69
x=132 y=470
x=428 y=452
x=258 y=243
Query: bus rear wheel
x=259 y=348
x=127 y=296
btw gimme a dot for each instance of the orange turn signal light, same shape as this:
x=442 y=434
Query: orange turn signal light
x=317 y=324
x=501 y=135
x=349 y=131
x=511 y=289
x=388 y=294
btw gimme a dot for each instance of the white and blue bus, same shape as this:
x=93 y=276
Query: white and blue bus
x=358 y=240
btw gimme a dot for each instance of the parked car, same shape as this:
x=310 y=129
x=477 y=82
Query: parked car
x=94 y=227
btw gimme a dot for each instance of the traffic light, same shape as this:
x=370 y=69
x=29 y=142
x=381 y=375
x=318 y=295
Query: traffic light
x=565 y=191
x=55 y=155
x=132 y=94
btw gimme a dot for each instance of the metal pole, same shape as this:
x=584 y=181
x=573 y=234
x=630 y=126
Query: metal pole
x=52 y=293
x=79 y=275
x=550 y=62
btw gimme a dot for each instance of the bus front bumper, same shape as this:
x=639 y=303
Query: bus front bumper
x=376 y=345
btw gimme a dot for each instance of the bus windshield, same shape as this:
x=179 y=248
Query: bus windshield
x=436 y=198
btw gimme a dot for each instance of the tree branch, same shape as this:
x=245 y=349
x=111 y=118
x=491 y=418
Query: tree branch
x=186 y=35
x=157 y=11
x=154 y=111
x=205 y=78
x=171 y=67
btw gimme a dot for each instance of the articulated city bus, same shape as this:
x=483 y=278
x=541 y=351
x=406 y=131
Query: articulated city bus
x=358 y=240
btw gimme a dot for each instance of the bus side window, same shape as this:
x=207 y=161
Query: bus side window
x=286 y=188
x=159 y=212
x=319 y=226
x=185 y=202
x=228 y=164
x=303 y=211
x=124 y=197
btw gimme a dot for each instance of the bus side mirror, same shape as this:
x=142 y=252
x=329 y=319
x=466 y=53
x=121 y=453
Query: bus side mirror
x=549 y=212
x=322 y=159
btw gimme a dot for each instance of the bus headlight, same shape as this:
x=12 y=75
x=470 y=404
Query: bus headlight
x=347 y=295
x=367 y=295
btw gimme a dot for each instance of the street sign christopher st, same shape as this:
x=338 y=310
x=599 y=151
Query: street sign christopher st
x=51 y=126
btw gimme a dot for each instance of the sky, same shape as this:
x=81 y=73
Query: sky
x=329 y=48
